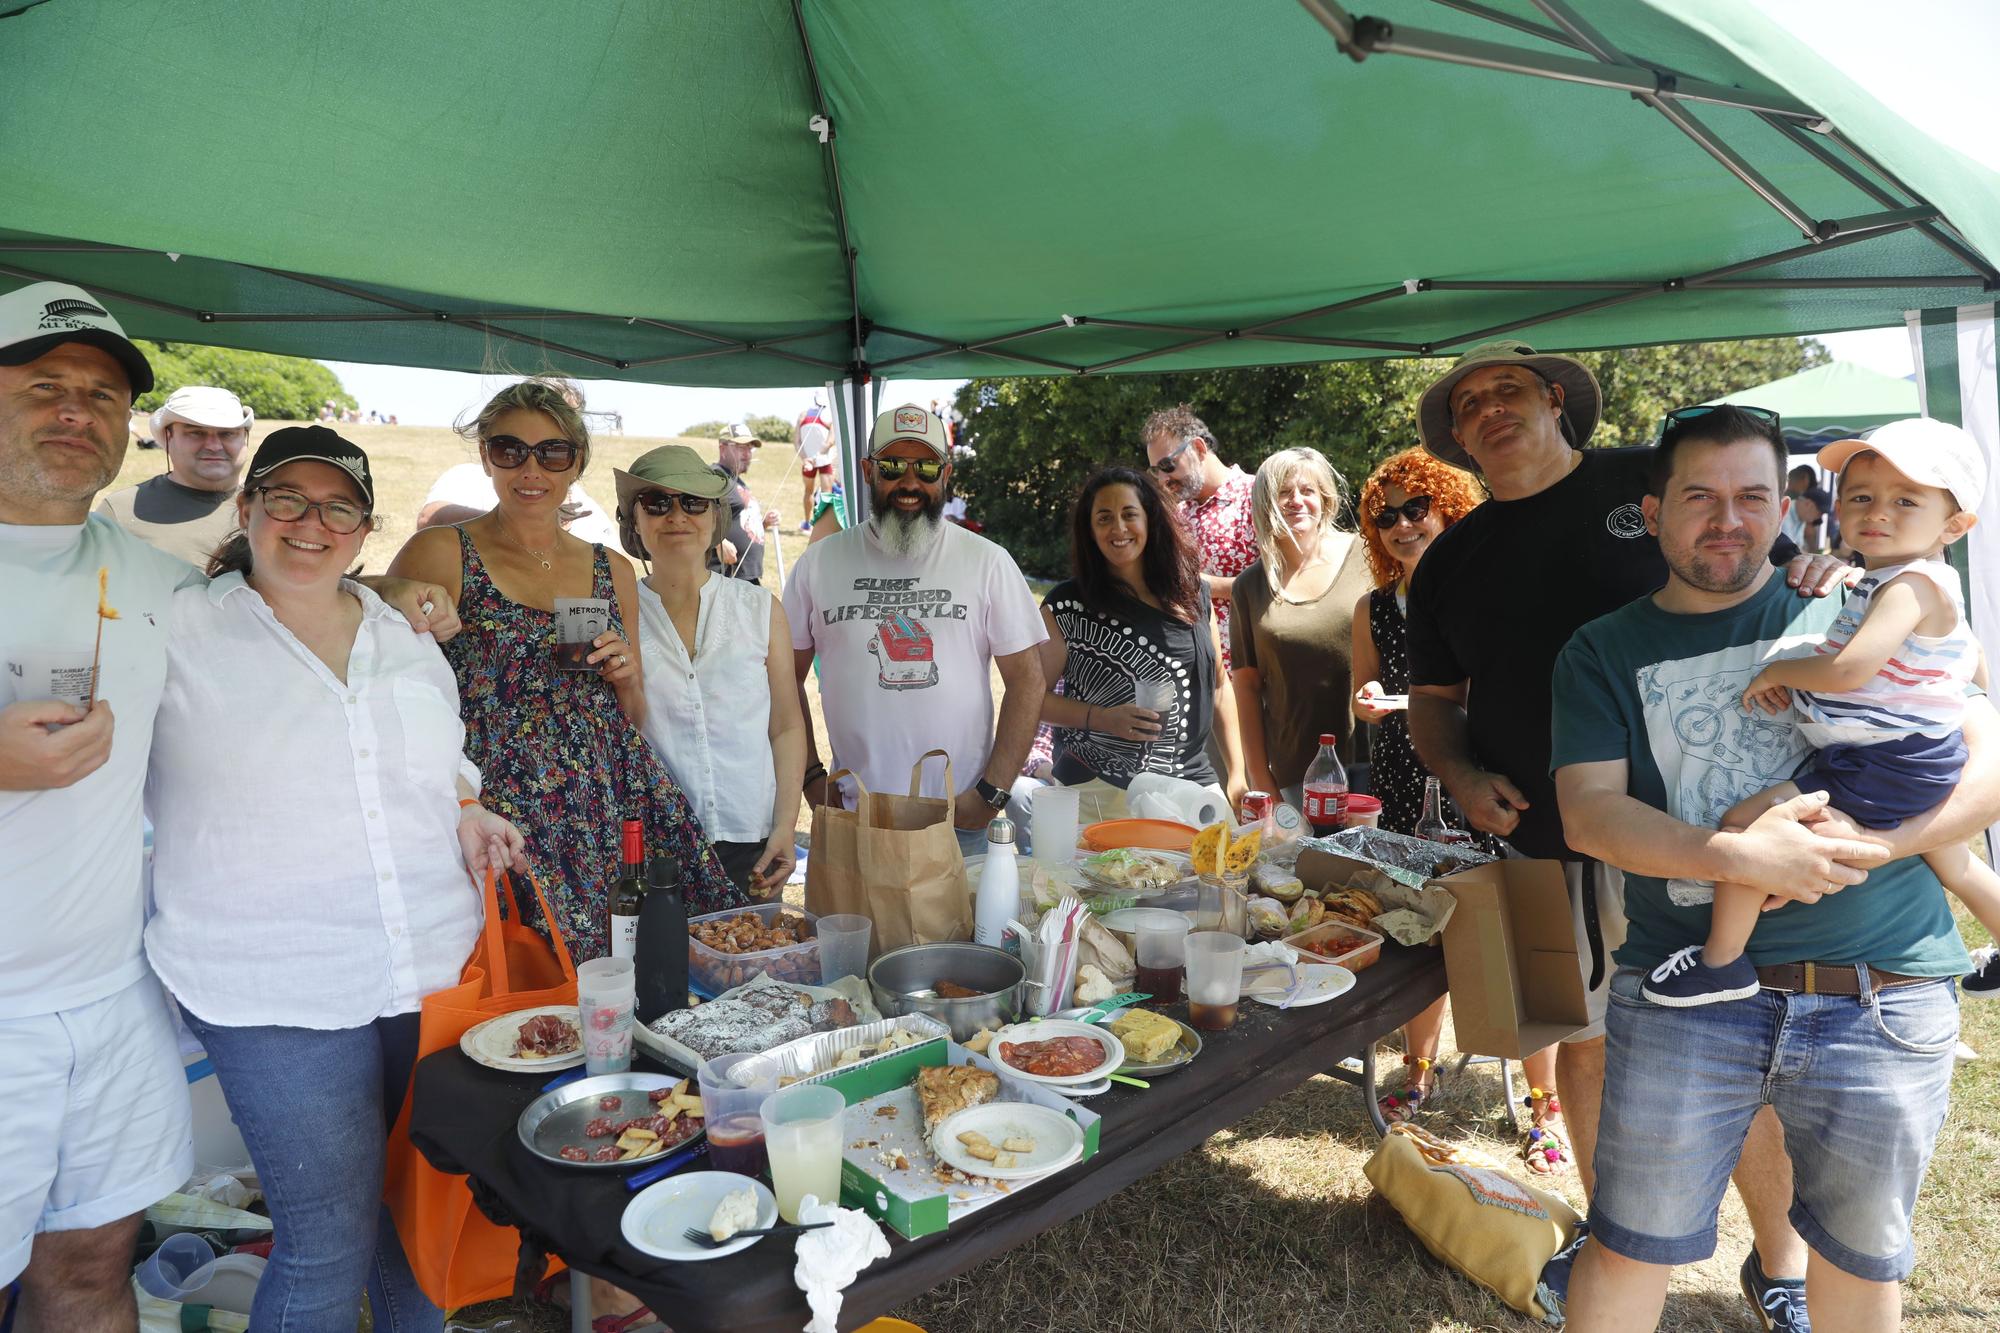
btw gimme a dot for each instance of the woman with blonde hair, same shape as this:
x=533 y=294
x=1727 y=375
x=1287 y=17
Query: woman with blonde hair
x=560 y=749
x=1289 y=633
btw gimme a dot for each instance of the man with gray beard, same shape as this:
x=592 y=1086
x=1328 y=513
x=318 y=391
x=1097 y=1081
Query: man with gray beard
x=908 y=616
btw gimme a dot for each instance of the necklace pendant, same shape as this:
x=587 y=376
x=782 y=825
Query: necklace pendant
x=547 y=565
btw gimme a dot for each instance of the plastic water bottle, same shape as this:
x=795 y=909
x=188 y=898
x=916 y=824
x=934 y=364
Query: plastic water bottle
x=999 y=885
x=1326 y=789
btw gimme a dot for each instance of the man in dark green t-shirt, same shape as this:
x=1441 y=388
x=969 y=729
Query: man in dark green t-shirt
x=1852 y=1035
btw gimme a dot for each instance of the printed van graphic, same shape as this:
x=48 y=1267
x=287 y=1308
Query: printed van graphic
x=903 y=653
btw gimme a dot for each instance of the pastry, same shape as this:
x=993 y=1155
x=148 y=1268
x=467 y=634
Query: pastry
x=945 y=1090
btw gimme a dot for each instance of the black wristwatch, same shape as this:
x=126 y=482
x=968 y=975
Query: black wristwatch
x=997 y=797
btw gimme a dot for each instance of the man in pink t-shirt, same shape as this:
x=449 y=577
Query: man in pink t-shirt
x=1215 y=502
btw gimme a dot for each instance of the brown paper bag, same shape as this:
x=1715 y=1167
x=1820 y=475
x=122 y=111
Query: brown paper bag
x=893 y=859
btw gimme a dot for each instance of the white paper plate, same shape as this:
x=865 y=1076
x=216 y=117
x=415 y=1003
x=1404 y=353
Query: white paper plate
x=1318 y=983
x=658 y=1214
x=1127 y=920
x=492 y=1043
x=1048 y=1028
x=1058 y=1141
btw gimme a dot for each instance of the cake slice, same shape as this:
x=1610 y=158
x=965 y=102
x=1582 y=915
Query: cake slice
x=945 y=1090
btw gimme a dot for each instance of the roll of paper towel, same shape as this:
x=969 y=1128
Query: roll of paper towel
x=1157 y=796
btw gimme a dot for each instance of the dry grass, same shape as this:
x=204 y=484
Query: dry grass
x=1270 y=1226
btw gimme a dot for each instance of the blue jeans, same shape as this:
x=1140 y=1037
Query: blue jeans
x=971 y=842
x=1859 y=1084
x=315 y=1108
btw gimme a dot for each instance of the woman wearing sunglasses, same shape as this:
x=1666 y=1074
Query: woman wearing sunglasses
x=561 y=750
x=1289 y=630
x=722 y=707
x=1405 y=503
x=314 y=820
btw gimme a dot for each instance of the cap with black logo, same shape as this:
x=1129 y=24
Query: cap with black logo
x=44 y=315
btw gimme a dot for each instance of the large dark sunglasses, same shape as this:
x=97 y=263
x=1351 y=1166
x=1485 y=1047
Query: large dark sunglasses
x=510 y=452
x=659 y=504
x=1413 y=509
x=1682 y=416
x=928 y=470
x=336 y=516
x=1165 y=467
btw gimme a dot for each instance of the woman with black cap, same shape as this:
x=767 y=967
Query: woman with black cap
x=315 y=817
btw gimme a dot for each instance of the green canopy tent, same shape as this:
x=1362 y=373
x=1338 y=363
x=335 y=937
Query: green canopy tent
x=1834 y=401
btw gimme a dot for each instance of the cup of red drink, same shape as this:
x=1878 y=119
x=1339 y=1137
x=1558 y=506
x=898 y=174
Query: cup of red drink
x=605 y=995
x=731 y=1092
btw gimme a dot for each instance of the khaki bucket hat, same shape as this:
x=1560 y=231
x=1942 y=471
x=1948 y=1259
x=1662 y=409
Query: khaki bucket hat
x=1582 y=403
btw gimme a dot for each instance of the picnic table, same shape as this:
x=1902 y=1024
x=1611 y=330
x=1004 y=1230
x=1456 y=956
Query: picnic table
x=463 y=1117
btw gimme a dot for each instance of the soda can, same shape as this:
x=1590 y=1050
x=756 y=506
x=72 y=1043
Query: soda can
x=1256 y=806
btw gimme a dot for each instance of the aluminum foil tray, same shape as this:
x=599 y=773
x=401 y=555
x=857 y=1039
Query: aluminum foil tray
x=811 y=1058
x=1406 y=860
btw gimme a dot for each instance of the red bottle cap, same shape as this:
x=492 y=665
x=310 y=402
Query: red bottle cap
x=632 y=841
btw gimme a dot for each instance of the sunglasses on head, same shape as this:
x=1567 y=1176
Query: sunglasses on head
x=1682 y=416
x=509 y=451
x=928 y=470
x=1413 y=509
x=659 y=504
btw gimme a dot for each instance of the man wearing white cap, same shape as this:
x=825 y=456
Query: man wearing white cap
x=97 y=1121
x=740 y=554
x=909 y=616
x=187 y=511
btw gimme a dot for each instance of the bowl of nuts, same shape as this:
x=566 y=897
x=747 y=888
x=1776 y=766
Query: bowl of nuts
x=728 y=948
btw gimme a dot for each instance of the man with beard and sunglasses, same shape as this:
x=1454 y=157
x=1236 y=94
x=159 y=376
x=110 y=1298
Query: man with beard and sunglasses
x=909 y=616
x=1215 y=503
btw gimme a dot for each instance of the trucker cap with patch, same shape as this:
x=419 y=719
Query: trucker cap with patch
x=909 y=422
x=43 y=315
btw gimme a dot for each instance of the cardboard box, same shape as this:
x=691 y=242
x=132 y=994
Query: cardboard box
x=1320 y=870
x=1511 y=955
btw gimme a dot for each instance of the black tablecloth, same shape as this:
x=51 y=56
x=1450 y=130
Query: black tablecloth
x=463 y=1120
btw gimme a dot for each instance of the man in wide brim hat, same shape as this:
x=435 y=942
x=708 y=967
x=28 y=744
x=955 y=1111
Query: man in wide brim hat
x=1570 y=384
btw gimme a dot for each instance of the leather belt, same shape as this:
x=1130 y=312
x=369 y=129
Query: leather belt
x=1829 y=978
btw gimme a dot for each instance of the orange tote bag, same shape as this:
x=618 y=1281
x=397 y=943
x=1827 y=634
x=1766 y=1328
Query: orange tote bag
x=458 y=1256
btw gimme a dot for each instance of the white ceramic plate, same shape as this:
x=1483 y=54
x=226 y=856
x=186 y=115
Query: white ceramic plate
x=1058 y=1141
x=1114 y=1050
x=1318 y=983
x=658 y=1214
x=492 y=1043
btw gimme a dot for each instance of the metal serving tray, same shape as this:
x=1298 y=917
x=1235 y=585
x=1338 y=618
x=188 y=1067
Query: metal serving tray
x=556 y=1120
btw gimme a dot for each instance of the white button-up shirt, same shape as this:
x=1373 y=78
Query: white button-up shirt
x=306 y=867
x=708 y=717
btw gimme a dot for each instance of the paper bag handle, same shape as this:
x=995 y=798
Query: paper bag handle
x=496 y=947
x=917 y=774
x=833 y=785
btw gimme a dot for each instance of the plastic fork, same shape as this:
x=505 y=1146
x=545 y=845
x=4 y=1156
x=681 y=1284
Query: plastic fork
x=696 y=1236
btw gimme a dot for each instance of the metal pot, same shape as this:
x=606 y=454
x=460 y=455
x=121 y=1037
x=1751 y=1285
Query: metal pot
x=904 y=982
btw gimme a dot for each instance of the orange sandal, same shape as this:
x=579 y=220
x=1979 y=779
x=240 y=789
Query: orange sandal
x=1400 y=1108
x=1543 y=1147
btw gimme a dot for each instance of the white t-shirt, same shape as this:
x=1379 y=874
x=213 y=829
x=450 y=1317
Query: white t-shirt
x=709 y=718
x=815 y=439
x=906 y=649
x=467 y=484
x=71 y=858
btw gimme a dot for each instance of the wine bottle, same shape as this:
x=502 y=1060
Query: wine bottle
x=630 y=891
x=661 y=963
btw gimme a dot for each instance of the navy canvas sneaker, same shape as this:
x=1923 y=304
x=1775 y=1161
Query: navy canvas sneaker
x=1684 y=981
x=1983 y=982
x=1780 y=1302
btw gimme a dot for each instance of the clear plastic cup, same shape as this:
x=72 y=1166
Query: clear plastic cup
x=1214 y=978
x=1052 y=822
x=843 y=946
x=1160 y=950
x=731 y=1102
x=604 y=998
x=804 y=1126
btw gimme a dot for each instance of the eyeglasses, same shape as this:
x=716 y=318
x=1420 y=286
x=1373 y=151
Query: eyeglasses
x=1682 y=416
x=510 y=452
x=659 y=504
x=1414 y=509
x=337 y=516
x=1165 y=467
x=928 y=470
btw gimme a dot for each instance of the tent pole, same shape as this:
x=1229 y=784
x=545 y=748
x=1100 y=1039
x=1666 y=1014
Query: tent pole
x=822 y=124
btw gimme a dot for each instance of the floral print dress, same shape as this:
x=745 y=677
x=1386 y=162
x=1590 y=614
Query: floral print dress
x=559 y=758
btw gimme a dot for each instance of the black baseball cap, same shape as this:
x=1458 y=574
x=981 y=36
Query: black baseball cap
x=316 y=444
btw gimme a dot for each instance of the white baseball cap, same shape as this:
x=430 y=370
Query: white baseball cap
x=909 y=422
x=202 y=405
x=43 y=315
x=1927 y=451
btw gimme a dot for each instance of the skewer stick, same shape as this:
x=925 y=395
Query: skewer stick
x=104 y=612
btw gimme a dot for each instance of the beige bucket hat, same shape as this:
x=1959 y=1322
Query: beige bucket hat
x=1583 y=401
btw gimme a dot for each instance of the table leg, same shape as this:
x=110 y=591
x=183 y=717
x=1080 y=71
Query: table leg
x=579 y=1301
x=1364 y=1080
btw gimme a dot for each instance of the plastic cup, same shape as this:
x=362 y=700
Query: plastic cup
x=1160 y=949
x=1214 y=978
x=803 y=1129
x=1052 y=822
x=731 y=1105
x=843 y=946
x=604 y=999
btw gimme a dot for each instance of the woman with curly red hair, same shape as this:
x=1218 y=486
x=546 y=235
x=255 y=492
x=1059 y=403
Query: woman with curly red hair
x=1405 y=503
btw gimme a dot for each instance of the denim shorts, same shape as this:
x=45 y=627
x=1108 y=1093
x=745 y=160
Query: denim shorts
x=1859 y=1083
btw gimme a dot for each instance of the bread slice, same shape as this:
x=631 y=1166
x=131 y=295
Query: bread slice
x=945 y=1090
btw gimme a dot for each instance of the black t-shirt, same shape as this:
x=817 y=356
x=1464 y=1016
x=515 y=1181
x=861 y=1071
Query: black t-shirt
x=1499 y=593
x=1112 y=648
x=749 y=565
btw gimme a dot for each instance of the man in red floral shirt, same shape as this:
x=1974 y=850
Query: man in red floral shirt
x=1215 y=502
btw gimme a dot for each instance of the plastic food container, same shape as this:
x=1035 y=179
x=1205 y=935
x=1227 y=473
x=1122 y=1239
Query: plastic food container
x=1337 y=942
x=715 y=972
